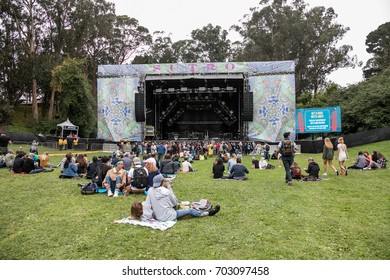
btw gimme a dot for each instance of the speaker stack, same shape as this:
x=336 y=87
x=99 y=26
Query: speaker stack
x=139 y=107
x=247 y=108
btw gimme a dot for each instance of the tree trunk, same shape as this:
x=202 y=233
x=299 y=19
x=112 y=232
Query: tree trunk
x=51 y=105
x=34 y=101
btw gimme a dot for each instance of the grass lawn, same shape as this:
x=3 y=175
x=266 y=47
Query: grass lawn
x=343 y=218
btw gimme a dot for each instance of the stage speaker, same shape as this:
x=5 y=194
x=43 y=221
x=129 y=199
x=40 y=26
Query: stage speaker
x=247 y=108
x=139 y=109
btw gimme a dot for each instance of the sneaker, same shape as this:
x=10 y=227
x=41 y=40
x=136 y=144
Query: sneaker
x=289 y=183
x=80 y=185
x=116 y=193
x=215 y=210
x=109 y=193
x=325 y=174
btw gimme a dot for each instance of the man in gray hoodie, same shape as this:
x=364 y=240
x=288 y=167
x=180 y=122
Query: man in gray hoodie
x=161 y=202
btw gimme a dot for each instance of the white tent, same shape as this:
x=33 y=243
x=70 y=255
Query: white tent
x=67 y=127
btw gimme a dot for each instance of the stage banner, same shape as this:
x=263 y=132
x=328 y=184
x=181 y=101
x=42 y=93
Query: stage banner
x=318 y=120
x=273 y=107
x=116 y=117
x=267 y=67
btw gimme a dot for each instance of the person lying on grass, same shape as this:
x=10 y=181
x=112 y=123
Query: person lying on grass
x=161 y=204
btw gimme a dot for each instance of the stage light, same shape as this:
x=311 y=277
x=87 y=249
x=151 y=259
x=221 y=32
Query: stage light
x=215 y=88
x=202 y=89
x=158 y=90
x=229 y=88
x=183 y=89
x=171 y=90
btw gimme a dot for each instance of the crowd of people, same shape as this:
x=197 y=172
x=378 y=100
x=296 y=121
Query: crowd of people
x=148 y=168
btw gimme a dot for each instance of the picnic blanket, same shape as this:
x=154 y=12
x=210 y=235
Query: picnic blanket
x=154 y=224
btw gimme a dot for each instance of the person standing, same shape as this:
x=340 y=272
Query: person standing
x=287 y=150
x=342 y=155
x=327 y=156
x=4 y=141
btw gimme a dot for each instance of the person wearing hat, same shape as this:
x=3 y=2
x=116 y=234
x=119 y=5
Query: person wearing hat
x=131 y=186
x=150 y=165
x=115 y=179
x=313 y=169
x=161 y=203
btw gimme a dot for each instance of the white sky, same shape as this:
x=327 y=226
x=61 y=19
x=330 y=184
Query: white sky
x=180 y=17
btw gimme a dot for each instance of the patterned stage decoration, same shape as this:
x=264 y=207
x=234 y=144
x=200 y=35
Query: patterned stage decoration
x=116 y=118
x=273 y=106
x=272 y=84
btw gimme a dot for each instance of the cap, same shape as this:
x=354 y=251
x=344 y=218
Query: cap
x=149 y=160
x=136 y=161
x=157 y=180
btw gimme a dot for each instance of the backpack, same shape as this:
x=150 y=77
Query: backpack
x=140 y=178
x=267 y=147
x=287 y=148
x=89 y=188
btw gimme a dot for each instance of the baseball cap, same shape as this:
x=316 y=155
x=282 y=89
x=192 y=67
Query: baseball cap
x=149 y=160
x=157 y=180
x=136 y=161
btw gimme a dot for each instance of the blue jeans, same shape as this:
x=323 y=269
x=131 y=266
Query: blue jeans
x=190 y=211
x=113 y=183
x=287 y=162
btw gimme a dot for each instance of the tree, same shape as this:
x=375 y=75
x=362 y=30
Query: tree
x=75 y=97
x=378 y=44
x=27 y=16
x=211 y=43
x=292 y=32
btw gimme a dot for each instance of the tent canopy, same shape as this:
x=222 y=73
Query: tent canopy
x=67 y=126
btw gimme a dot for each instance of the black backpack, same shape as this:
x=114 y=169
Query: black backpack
x=89 y=188
x=287 y=148
x=267 y=147
x=140 y=178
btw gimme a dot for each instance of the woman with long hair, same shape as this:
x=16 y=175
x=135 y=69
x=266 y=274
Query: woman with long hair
x=342 y=155
x=327 y=156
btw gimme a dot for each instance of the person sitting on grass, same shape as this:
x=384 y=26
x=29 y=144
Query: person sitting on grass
x=296 y=172
x=92 y=167
x=360 y=162
x=70 y=168
x=115 y=179
x=44 y=161
x=17 y=166
x=263 y=163
x=313 y=169
x=238 y=171
x=167 y=165
x=31 y=167
x=218 y=168
x=186 y=166
x=161 y=204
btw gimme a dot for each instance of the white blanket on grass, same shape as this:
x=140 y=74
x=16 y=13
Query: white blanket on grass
x=154 y=224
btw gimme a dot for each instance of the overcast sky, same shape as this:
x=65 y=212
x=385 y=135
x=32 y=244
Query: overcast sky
x=180 y=17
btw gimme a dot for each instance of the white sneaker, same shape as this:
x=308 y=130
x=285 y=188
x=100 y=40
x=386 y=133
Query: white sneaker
x=109 y=193
x=325 y=174
x=116 y=193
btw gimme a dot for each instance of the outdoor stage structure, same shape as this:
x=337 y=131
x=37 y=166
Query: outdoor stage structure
x=223 y=100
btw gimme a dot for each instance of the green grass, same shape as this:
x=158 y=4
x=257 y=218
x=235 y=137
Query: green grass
x=344 y=218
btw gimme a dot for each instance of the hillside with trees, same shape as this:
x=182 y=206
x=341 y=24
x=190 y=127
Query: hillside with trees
x=49 y=47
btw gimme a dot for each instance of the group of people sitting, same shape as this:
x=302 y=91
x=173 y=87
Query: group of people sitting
x=366 y=161
x=26 y=163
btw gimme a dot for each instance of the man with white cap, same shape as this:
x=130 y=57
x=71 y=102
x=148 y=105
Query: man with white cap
x=137 y=184
x=161 y=202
